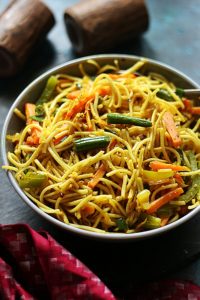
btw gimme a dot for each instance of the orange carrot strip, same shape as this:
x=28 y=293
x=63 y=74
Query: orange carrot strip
x=116 y=76
x=34 y=138
x=164 y=221
x=157 y=165
x=97 y=176
x=179 y=179
x=79 y=107
x=195 y=110
x=170 y=125
x=112 y=144
x=104 y=91
x=155 y=205
x=87 y=210
x=187 y=104
x=29 y=112
x=59 y=139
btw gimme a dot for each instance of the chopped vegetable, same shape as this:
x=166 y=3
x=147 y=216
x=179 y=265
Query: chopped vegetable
x=157 y=165
x=91 y=143
x=97 y=176
x=193 y=161
x=195 y=110
x=155 y=205
x=180 y=92
x=35 y=133
x=121 y=224
x=164 y=94
x=79 y=107
x=195 y=185
x=170 y=125
x=37 y=118
x=114 y=118
x=192 y=190
x=165 y=211
x=143 y=199
x=164 y=221
x=150 y=222
x=48 y=90
x=179 y=179
x=157 y=176
x=59 y=139
x=87 y=210
x=32 y=180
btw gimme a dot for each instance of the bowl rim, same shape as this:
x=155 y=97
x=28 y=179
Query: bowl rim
x=72 y=229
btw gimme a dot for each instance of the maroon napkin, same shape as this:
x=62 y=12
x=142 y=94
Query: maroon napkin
x=40 y=268
x=34 y=266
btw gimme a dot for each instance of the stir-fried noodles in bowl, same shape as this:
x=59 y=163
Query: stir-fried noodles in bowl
x=107 y=146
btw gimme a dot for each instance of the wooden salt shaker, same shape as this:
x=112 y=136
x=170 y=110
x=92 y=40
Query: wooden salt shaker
x=99 y=25
x=22 y=25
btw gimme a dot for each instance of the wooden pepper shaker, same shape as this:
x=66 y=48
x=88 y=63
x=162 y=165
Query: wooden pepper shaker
x=99 y=25
x=22 y=25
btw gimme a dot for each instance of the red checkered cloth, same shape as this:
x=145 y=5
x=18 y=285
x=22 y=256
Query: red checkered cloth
x=34 y=266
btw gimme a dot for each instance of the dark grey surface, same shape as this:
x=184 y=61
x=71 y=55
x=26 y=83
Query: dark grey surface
x=173 y=38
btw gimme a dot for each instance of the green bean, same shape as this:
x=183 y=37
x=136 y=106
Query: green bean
x=115 y=118
x=91 y=143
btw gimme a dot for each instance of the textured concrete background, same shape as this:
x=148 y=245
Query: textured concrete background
x=173 y=38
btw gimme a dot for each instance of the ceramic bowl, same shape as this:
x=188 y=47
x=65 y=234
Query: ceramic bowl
x=32 y=91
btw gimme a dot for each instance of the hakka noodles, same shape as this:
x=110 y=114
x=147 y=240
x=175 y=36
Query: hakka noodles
x=114 y=152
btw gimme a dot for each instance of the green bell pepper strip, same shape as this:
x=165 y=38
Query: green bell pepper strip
x=195 y=185
x=121 y=224
x=115 y=118
x=151 y=222
x=32 y=180
x=91 y=143
x=48 y=90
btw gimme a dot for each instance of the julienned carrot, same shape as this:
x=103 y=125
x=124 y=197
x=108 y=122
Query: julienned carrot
x=195 y=110
x=97 y=176
x=34 y=138
x=157 y=165
x=102 y=92
x=170 y=125
x=116 y=76
x=112 y=144
x=164 y=221
x=87 y=210
x=179 y=179
x=79 y=107
x=187 y=104
x=59 y=139
x=106 y=90
x=155 y=205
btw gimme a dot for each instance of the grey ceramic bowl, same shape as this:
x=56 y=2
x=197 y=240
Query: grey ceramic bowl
x=32 y=92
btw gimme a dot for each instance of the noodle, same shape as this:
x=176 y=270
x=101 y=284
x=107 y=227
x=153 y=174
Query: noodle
x=120 y=186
